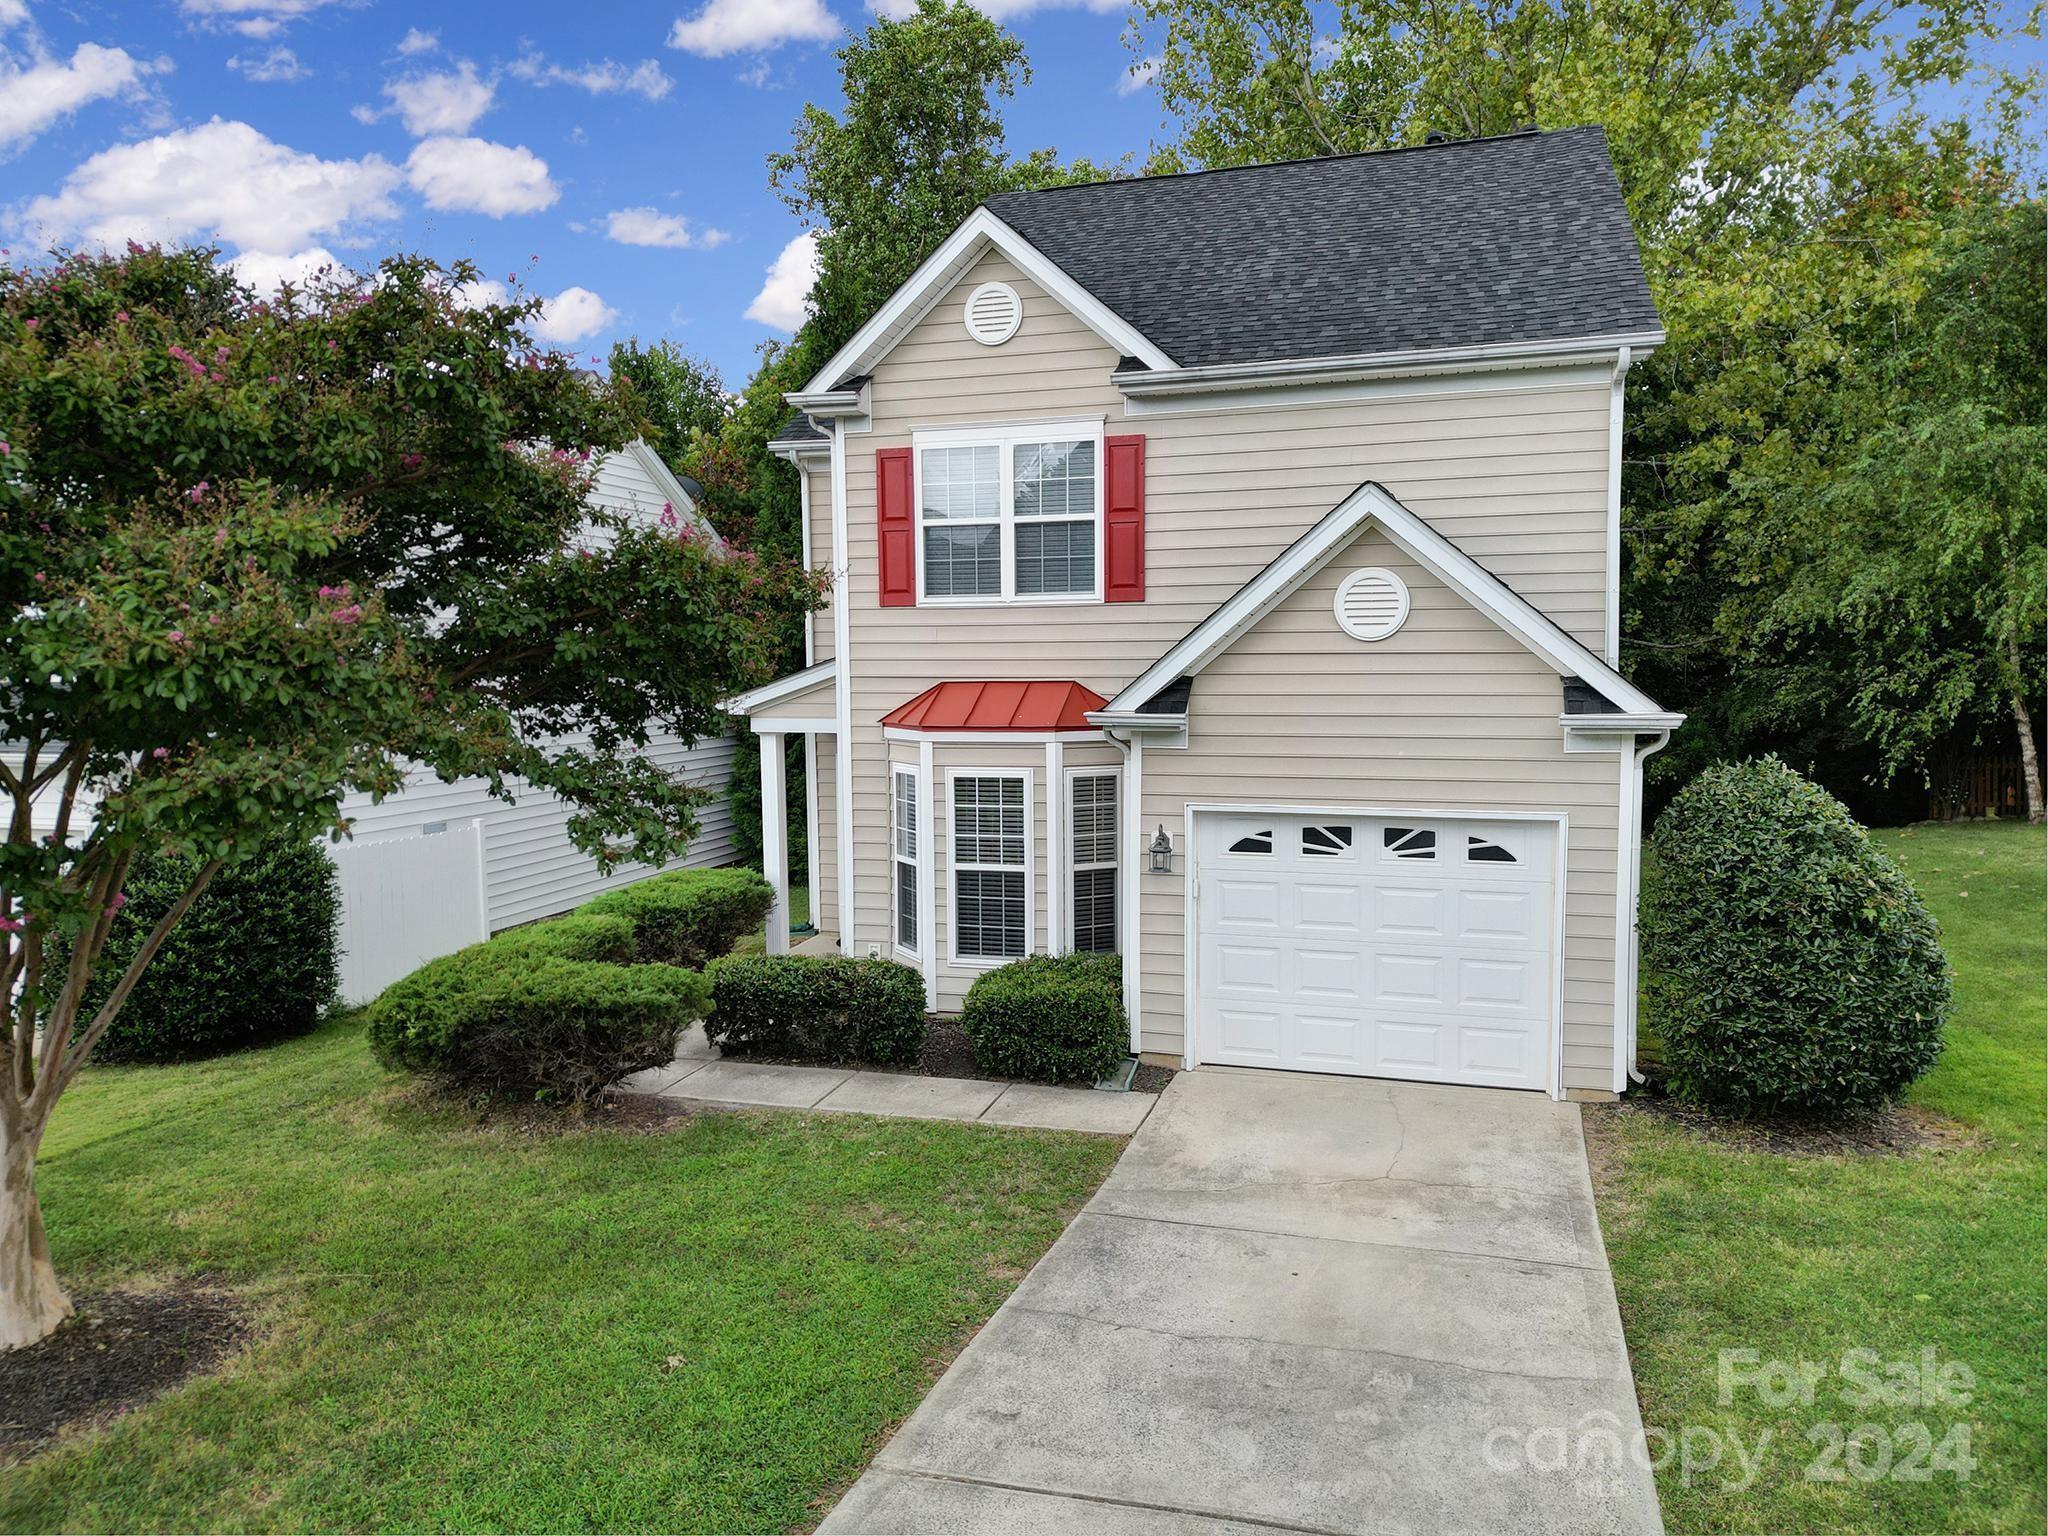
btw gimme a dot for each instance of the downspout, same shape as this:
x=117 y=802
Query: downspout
x=1642 y=753
x=842 y=692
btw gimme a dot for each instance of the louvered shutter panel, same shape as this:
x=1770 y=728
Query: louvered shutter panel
x=896 y=530
x=1123 y=521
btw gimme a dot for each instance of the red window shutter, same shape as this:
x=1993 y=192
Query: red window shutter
x=1123 y=522
x=896 y=530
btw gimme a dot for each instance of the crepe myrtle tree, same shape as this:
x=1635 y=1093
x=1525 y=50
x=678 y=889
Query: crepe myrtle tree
x=259 y=553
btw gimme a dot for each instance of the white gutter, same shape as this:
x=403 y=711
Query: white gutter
x=1614 y=413
x=1132 y=720
x=1610 y=723
x=1372 y=364
x=830 y=402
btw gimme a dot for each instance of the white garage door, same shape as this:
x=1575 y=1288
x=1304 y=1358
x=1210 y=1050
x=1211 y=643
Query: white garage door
x=1384 y=946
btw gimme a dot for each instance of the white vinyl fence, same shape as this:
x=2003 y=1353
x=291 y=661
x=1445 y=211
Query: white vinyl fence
x=405 y=901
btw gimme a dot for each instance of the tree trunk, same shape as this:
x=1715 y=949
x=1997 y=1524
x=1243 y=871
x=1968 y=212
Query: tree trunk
x=32 y=1304
x=2030 y=760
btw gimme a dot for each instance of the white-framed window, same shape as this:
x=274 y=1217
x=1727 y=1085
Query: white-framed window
x=1010 y=514
x=990 y=829
x=904 y=854
x=1092 y=800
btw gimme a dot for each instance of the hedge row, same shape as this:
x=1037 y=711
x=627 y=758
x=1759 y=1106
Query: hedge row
x=565 y=1008
x=829 y=1008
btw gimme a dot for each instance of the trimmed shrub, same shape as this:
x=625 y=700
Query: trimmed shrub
x=511 y=1020
x=828 y=1008
x=253 y=960
x=604 y=936
x=1789 y=964
x=690 y=917
x=1049 y=1018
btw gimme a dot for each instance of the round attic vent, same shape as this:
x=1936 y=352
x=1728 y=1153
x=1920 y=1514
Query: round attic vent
x=1371 y=604
x=993 y=313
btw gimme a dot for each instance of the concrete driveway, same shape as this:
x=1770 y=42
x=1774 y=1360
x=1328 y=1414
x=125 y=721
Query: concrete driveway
x=1304 y=1303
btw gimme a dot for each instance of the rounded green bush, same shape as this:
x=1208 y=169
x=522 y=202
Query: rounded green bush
x=1049 y=1019
x=510 y=1019
x=253 y=960
x=689 y=917
x=1789 y=965
x=826 y=1008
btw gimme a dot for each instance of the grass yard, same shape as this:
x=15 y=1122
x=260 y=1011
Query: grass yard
x=473 y=1327
x=1804 y=1258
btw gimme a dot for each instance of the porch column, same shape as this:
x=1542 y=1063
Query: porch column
x=775 y=840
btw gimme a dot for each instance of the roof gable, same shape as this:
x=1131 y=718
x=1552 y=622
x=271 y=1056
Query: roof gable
x=980 y=232
x=1372 y=503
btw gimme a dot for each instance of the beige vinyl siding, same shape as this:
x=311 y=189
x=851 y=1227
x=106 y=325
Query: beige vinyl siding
x=1448 y=713
x=825 y=833
x=819 y=479
x=1514 y=474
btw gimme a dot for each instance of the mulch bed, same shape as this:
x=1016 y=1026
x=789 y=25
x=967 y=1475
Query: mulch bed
x=949 y=1053
x=1891 y=1132
x=119 y=1350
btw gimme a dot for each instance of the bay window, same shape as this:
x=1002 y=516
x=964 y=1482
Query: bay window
x=1091 y=813
x=991 y=875
x=904 y=856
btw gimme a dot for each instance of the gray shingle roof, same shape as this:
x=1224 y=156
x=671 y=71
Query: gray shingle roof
x=1473 y=242
x=798 y=429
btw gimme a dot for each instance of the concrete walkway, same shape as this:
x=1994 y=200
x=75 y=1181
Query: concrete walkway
x=1298 y=1303
x=700 y=1076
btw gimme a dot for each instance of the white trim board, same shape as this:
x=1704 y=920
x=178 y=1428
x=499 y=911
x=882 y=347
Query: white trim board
x=980 y=232
x=1372 y=503
x=782 y=688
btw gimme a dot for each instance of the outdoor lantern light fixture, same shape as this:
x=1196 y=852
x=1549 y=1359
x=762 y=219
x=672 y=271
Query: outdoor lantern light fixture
x=1162 y=852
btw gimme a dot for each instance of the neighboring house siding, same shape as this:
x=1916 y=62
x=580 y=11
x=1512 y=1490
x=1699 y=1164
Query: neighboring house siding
x=531 y=869
x=1449 y=713
x=819 y=478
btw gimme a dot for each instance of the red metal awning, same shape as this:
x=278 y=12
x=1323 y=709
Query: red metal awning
x=998 y=707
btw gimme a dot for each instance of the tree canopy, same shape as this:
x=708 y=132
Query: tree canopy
x=257 y=554
x=1807 y=227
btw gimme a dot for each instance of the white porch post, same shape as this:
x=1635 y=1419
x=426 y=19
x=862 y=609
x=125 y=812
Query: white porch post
x=775 y=840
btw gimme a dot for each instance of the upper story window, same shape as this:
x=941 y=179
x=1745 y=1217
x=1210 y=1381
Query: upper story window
x=1010 y=514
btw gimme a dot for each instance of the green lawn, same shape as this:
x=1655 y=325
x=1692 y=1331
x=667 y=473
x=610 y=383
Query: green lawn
x=1804 y=1258
x=706 y=1328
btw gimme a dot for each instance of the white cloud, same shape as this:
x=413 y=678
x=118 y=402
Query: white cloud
x=13 y=13
x=438 y=101
x=1001 y=10
x=649 y=226
x=571 y=315
x=221 y=179
x=417 y=42
x=647 y=78
x=266 y=273
x=252 y=18
x=32 y=99
x=278 y=66
x=741 y=26
x=781 y=303
x=477 y=176
x=1139 y=75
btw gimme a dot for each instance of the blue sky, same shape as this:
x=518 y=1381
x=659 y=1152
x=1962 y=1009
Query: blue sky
x=610 y=155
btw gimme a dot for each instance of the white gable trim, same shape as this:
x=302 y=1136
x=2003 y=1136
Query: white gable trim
x=979 y=232
x=1428 y=549
x=671 y=488
x=782 y=688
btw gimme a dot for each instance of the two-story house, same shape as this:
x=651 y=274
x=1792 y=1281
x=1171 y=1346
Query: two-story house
x=1225 y=574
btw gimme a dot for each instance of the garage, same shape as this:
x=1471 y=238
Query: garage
x=1384 y=945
